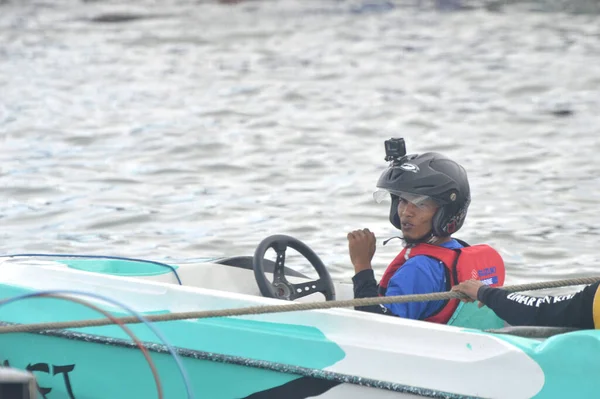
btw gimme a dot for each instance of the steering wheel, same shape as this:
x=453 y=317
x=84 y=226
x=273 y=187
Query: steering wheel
x=281 y=288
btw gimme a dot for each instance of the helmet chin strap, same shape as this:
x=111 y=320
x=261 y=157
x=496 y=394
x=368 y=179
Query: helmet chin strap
x=428 y=238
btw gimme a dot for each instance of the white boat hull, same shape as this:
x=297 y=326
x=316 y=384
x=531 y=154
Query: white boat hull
x=427 y=358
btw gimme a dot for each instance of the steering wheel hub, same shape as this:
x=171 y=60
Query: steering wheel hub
x=281 y=290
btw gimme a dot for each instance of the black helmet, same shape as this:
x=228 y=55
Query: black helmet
x=430 y=175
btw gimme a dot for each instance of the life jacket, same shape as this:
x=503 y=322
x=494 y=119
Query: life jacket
x=480 y=262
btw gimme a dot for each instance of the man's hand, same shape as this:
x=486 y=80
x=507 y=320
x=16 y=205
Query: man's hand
x=470 y=288
x=361 y=246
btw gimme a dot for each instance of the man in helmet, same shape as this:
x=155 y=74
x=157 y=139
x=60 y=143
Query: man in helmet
x=430 y=196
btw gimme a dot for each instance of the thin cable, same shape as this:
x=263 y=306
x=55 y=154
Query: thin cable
x=100 y=257
x=124 y=327
x=138 y=316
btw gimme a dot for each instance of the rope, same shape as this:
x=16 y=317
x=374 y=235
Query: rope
x=292 y=307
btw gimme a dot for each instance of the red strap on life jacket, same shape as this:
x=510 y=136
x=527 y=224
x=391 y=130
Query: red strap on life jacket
x=445 y=255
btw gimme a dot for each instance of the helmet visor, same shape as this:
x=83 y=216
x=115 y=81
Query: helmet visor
x=417 y=199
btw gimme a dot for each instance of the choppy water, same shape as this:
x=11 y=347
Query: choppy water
x=200 y=128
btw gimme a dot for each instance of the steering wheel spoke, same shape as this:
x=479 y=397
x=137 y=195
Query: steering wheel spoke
x=305 y=289
x=279 y=270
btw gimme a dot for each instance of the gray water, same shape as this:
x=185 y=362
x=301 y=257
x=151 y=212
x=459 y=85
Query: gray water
x=196 y=129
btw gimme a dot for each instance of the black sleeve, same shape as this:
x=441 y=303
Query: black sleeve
x=365 y=286
x=574 y=310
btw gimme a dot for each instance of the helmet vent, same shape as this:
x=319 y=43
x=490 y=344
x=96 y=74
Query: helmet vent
x=425 y=186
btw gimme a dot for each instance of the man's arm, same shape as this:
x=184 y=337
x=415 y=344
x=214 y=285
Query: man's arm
x=574 y=310
x=365 y=286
